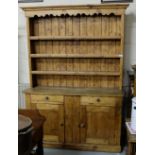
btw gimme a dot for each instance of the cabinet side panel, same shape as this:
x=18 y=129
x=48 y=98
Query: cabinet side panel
x=28 y=101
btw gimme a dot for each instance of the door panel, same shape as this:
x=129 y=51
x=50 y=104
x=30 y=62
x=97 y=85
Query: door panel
x=54 y=124
x=99 y=125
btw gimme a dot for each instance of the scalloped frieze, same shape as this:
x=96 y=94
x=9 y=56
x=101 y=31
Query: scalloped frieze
x=83 y=10
x=74 y=13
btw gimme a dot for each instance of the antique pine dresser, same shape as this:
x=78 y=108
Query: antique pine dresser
x=76 y=72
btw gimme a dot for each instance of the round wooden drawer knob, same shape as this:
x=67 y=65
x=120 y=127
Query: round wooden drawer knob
x=47 y=98
x=61 y=124
x=82 y=125
x=98 y=100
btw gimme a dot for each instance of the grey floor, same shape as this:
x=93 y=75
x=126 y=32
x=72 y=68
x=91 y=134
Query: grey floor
x=74 y=152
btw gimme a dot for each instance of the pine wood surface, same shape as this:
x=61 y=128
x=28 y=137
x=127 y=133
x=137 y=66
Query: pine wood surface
x=76 y=72
x=74 y=38
x=73 y=91
x=54 y=124
x=67 y=38
x=80 y=122
x=74 y=56
x=74 y=10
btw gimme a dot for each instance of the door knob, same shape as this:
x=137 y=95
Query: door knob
x=98 y=100
x=61 y=124
x=46 y=97
x=82 y=125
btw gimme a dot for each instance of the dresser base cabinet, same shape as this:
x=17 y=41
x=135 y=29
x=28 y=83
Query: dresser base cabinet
x=84 y=121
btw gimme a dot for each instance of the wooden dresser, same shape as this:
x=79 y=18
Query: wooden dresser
x=76 y=71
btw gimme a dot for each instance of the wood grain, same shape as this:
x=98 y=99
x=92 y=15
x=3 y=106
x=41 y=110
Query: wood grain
x=76 y=73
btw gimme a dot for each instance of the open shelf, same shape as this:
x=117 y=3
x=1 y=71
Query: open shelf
x=76 y=51
x=75 y=73
x=73 y=56
x=74 y=38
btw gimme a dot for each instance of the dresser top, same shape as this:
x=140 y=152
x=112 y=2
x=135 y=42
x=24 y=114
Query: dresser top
x=88 y=6
x=74 y=91
x=74 y=10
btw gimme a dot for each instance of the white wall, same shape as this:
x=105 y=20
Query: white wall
x=130 y=35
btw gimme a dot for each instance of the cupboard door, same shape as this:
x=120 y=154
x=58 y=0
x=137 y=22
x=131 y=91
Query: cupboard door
x=54 y=124
x=100 y=125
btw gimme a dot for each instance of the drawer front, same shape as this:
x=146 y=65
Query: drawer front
x=101 y=101
x=47 y=99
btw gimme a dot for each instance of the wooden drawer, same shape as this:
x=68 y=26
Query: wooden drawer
x=101 y=101
x=47 y=99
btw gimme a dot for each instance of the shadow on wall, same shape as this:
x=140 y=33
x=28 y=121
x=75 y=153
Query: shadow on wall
x=130 y=45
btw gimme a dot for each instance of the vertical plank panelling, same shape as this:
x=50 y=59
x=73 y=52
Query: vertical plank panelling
x=119 y=20
x=118 y=47
x=69 y=32
x=47 y=27
x=80 y=25
x=97 y=25
x=109 y=48
x=49 y=49
x=97 y=47
x=83 y=32
x=103 y=49
x=90 y=26
x=105 y=26
x=55 y=32
x=90 y=33
x=62 y=32
x=76 y=32
x=83 y=63
x=76 y=69
x=36 y=44
x=90 y=47
x=62 y=49
x=36 y=27
x=42 y=32
x=112 y=61
x=90 y=81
